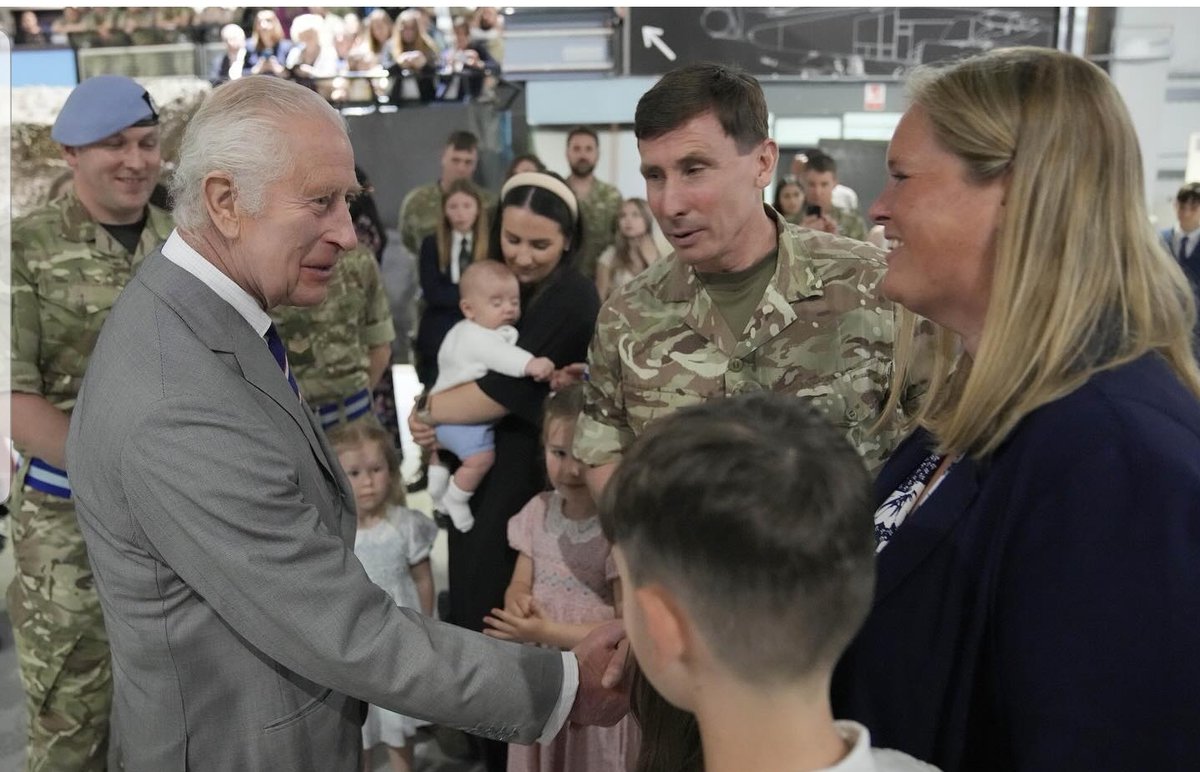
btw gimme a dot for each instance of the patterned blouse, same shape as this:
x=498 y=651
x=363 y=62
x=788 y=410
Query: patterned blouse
x=896 y=507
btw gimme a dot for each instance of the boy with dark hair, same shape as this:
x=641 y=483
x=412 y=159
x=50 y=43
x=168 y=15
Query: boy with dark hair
x=742 y=533
x=1183 y=239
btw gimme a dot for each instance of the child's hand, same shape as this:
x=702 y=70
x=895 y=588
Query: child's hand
x=568 y=376
x=540 y=368
x=510 y=627
x=519 y=604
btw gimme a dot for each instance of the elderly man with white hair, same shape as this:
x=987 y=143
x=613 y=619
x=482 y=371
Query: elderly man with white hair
x=244 y=633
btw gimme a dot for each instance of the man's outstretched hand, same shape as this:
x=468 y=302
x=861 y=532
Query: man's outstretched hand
x=603 y=696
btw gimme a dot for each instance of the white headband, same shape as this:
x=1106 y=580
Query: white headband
x=545 y=182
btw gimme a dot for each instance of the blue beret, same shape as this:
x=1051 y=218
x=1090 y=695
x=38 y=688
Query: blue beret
x=100 y=107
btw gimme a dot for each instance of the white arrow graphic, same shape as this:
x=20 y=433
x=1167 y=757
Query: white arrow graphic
x=653 y=36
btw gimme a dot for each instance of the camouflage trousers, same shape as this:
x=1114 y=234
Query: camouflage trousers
x=62 y=647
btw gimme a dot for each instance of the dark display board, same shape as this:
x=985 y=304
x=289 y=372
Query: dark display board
x=824 y=43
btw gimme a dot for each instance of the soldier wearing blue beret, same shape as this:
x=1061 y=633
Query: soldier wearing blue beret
x=70 y=260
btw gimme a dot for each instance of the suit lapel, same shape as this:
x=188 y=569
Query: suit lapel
x=262 y=372
x=220 y=327
x=926 y=527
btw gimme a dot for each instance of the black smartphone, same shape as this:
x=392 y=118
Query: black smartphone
x=812 y=210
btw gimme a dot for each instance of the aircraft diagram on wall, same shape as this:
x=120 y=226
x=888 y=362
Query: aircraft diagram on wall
x=828 y=42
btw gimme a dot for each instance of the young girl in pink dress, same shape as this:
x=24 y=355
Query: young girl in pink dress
x=564 y=585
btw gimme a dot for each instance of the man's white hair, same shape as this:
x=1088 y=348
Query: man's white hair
x=242 y=129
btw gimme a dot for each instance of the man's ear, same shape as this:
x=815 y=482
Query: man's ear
x=220 y=200
x=71 y=156
x=666 y=624
x=766 y=160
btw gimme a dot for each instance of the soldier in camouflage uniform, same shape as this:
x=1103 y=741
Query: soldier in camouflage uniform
x=339 y=349
x=599 y=202
x=421 y=210
x=820 y=179
x=70 y=260
x=747 y=302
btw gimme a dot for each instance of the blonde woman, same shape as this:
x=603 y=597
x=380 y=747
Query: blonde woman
x=1039 y=534
x=268 y=50
x=414 y=56
x=633 y=249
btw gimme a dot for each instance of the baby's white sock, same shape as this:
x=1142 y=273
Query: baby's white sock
x=436 y=480
x=457 y=504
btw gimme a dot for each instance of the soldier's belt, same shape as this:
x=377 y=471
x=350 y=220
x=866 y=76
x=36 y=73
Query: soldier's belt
x=333 y=413
x=47 y=479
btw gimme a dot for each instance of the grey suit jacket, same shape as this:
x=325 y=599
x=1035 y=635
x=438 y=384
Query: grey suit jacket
x=220 y=528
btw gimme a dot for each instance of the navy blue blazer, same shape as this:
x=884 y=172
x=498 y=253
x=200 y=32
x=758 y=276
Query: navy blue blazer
x=1190 y=261
x=441 y=311
x=1041 y=610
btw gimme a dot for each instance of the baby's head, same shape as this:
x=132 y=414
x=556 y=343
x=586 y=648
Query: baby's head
x=743 y=533
x=365 y=450
x=489 y=294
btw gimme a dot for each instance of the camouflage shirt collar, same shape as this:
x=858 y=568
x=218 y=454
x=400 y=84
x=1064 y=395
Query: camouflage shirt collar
x=795 y=276
x=78 y=225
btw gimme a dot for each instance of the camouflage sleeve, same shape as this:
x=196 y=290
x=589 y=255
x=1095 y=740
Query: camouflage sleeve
x=408 y=231
x=852 y=226
x=603 y=432
x=377 y=328
x=26 y=322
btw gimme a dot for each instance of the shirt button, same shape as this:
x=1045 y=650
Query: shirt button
x=735 y=365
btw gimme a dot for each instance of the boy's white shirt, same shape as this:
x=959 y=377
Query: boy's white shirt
x=863 y=758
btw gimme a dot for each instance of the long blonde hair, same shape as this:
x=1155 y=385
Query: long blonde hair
x=422 y=42
x=624 y=247
x=479 y=232
x=1081 y=283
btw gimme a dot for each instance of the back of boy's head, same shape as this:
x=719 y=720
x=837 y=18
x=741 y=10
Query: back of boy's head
x=482 y=274
x=756 y=513
x=364 y=432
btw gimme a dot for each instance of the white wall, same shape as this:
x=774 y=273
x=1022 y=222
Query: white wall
x=1156 y=67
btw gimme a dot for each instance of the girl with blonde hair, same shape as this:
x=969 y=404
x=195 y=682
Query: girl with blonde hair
x=633 y=248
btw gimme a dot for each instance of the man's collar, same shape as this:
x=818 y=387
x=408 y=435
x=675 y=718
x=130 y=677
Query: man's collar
x=795 y=277
x=189 y=259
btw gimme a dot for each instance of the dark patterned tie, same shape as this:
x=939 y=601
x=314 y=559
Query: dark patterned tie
x=464 y=255
x=280 y=353
x=1183 y=251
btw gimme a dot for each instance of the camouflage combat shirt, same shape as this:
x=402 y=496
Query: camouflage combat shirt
x=821 y=332
x=598 y=212
x=421 y=211
x=66 y=274
x=328 y=345
x=850 y=223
